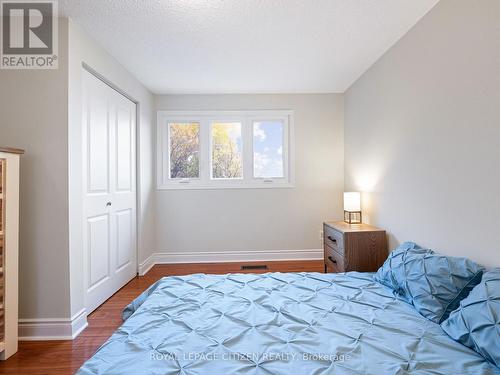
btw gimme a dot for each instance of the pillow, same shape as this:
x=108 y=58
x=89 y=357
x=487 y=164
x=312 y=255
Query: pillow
x=392 y=271
x=434 y=284
x=476 y=323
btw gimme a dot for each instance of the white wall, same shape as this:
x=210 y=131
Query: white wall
x=33 y=116
x=231 y=220
x=423 y=133
x=82 y=49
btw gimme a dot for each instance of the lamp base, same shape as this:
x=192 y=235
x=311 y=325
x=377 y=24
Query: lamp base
x=352 y=217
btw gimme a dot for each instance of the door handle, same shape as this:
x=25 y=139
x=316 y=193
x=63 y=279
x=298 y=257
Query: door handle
x=332 y=260
x=108 y=204
x=332 y=239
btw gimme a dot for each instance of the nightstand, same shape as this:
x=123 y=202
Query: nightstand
x=353 y=247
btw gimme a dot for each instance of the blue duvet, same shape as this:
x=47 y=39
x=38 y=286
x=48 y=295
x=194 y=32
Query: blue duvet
x=278 y=323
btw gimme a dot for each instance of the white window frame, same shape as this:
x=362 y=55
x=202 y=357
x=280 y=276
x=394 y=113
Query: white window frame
x=205 y=120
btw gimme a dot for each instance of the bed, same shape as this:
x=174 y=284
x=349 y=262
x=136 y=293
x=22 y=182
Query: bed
x=279 y=323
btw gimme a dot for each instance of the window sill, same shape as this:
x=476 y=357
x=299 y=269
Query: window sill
x=272 y=185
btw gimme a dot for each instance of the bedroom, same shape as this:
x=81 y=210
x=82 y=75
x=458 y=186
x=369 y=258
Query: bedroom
x=239 y=127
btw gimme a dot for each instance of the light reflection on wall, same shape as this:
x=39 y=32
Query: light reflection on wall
x=367 y=180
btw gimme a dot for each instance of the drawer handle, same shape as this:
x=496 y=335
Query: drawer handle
x=332 y=239
x=332 y=260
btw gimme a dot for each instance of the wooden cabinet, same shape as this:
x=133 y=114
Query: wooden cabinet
x=9 y=240
x=353 y=247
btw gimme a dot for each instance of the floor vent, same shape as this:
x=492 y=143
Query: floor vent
x=254 y=267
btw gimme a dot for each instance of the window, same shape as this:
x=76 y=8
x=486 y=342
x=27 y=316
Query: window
x=224 y=149
x=268 y=149
x=184 y=146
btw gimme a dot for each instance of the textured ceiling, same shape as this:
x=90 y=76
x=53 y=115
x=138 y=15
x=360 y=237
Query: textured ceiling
x=246 y=46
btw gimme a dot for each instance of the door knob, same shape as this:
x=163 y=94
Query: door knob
x=108 y=204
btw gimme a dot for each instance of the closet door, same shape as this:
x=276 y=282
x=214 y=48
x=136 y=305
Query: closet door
x=109 y=185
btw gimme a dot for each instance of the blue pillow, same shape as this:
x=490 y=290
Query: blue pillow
x=434 y=284
x=391 y=271
x=476 y=323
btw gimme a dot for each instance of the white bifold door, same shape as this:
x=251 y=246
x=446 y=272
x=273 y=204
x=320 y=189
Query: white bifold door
x=109 y=187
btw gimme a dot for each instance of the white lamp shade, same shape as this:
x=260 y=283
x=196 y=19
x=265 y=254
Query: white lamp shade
x=352 y=201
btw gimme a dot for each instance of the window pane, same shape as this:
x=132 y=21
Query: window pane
x=184 y=141
x=268 y=149
x=226 y=150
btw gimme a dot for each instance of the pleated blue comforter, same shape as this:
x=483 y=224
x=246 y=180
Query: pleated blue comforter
x=278 y=323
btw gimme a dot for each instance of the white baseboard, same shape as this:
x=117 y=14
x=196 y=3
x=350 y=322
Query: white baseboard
x=52 y=329
x=229 y=256
x=145 y=266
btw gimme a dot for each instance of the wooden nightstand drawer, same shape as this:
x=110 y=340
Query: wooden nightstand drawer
x=334 y=260
x=334 y=239
x=353 y=247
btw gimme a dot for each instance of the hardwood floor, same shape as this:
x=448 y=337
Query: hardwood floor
x=65 y=357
